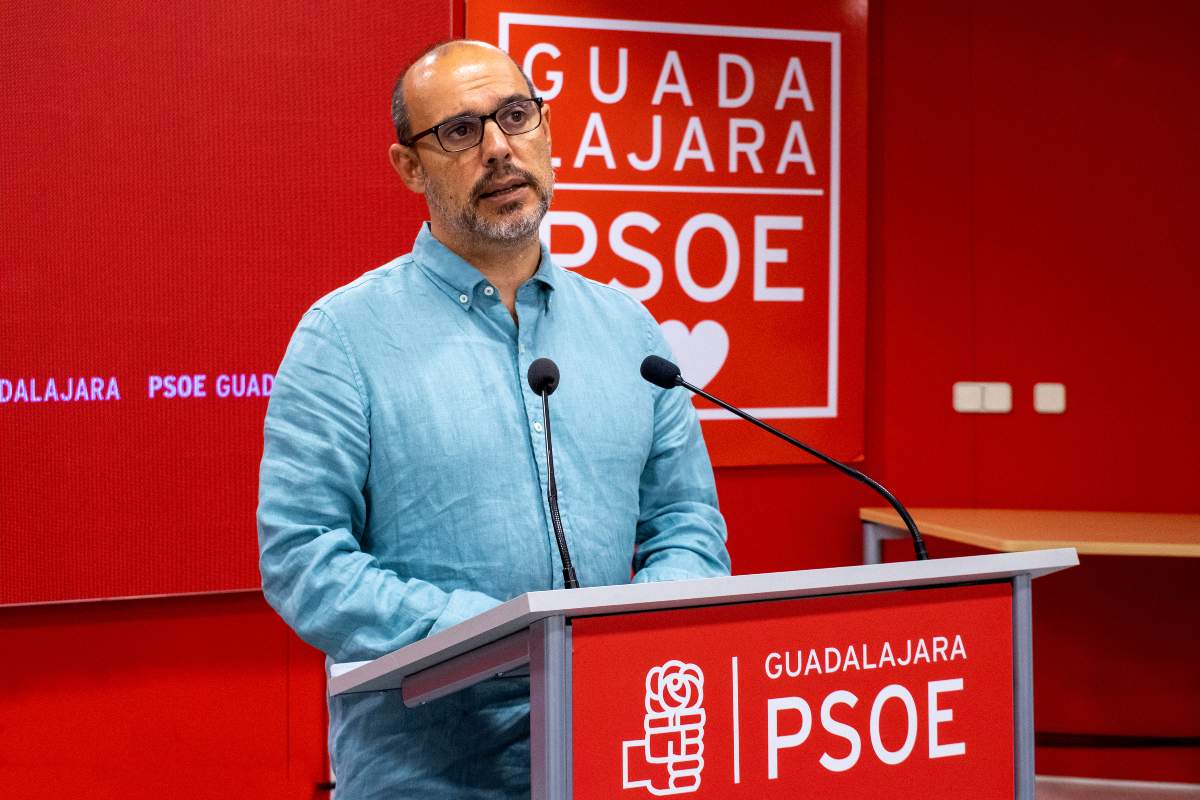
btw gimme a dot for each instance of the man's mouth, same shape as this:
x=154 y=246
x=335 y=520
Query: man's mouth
x=506 y=189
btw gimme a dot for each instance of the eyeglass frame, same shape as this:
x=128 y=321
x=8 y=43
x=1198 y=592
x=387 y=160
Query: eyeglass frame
x=483 y=120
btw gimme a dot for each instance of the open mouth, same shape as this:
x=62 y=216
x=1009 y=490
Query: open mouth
x=506 y=190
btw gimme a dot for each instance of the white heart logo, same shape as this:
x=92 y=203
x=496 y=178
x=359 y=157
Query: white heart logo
x=700 y=352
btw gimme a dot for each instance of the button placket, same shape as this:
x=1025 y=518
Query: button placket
x=528 y=304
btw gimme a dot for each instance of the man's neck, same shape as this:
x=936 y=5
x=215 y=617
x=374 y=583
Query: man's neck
x=506 y=265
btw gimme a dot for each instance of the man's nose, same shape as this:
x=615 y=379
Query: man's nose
x=494 y=146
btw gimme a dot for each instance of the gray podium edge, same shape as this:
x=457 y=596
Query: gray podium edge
x=1023 y=739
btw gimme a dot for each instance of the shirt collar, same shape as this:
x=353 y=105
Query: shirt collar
x=457 y=278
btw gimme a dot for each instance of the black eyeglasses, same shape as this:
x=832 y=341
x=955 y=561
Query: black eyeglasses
x=463 y=133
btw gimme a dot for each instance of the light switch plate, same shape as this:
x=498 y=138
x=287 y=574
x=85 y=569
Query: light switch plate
x=968 y=397
x=1049 y=398
x=997 y=398
x=982 y=397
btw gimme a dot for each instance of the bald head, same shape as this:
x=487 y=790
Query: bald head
x=453 y=60
x=491 y=192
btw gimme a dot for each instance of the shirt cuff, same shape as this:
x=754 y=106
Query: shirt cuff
x=654 y=574
x=463 y=605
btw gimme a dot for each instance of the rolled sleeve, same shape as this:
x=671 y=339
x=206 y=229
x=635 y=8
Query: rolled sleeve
x=681 y=533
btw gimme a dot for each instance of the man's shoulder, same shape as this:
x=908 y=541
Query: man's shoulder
x=608 y=297
x=364 y=289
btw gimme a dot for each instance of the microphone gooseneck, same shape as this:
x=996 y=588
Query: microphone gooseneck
x=663 y=373
x=543 y=380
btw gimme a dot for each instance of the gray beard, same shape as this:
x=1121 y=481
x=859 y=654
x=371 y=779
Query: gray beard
x=507 y=229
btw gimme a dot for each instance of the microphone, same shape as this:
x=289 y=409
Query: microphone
x=543 y=379
x=663 y=373
x=543 y=376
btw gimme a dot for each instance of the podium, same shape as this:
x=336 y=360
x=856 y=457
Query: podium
x=910 y=678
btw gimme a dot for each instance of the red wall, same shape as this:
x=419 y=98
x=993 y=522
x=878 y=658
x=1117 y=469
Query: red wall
x=1031 y=188
x=1032 y=172
x=196 y=697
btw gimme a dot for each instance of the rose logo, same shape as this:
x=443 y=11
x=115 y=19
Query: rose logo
x=674 y=686
x=669 y=760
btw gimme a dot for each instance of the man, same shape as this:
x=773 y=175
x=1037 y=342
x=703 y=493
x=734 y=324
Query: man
x=403 y=474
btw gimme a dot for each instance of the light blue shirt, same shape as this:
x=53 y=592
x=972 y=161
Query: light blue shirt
x=403 y=490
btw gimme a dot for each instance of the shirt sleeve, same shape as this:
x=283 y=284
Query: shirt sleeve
x=680 y=533
x=312 y=513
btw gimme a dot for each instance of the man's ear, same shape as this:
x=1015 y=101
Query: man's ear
x=546 y=120
x=404 y=160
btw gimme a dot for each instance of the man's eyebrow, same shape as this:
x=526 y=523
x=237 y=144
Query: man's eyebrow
x=512 y=98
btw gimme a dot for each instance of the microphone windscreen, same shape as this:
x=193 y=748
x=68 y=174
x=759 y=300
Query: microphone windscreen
x=660 y=372
x=543 y=376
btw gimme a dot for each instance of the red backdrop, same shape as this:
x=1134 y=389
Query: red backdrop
x=749 y=251
x=1029 y=218
x=178 y=189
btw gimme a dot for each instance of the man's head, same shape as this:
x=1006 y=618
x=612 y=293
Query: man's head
x=493 y=193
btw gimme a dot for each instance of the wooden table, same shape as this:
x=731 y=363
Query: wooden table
x=1120 y=534
x=1110 y=533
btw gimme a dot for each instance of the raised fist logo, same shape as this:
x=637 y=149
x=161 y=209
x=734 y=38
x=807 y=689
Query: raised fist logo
x=670 y=758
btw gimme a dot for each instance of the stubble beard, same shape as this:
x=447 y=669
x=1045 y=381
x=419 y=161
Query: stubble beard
x=505 y=226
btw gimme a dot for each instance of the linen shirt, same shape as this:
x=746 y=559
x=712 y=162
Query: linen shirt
x=403 y=490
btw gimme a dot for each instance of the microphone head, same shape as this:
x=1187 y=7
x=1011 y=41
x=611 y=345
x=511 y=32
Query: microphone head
x=660 y=372
x=543 y=376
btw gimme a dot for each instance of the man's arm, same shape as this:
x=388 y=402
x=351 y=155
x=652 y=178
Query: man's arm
x=681 y=533
x=312 y=512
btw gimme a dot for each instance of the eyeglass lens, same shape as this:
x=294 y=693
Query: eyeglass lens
x=465 y=132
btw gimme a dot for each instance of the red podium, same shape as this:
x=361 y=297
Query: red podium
x=912 y=679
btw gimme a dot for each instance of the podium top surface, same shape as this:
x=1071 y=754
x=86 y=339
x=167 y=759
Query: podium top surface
x=1109 y=533
x=387 y=672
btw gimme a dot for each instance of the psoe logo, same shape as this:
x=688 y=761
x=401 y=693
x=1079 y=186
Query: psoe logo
x=671 y=756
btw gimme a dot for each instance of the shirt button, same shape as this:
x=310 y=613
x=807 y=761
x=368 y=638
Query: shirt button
x=537 y=426
x=521 y=348
x=489 y=291
x=462 y=298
